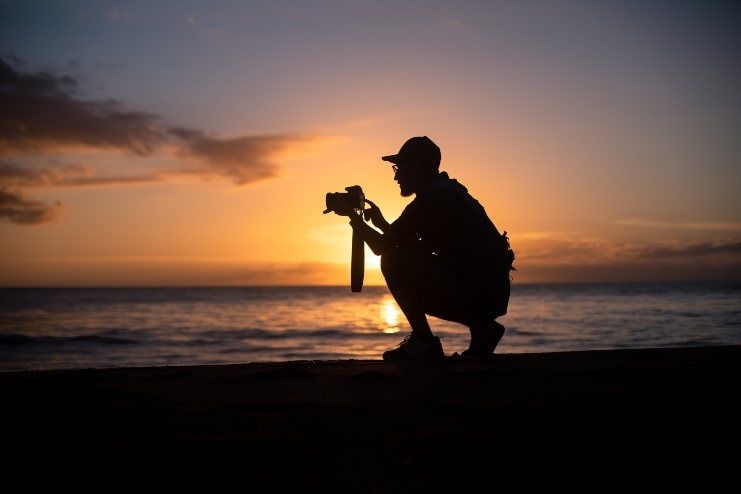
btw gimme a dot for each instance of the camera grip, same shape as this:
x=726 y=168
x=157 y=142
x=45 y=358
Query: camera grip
x=357 y=264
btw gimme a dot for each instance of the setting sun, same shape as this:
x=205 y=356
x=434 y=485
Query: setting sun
x=390 y=315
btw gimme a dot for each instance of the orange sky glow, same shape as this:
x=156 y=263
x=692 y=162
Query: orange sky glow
x=194 y=145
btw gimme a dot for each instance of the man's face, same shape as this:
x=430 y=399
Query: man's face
x=406 y=176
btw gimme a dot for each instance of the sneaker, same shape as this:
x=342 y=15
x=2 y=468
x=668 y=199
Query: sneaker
x=416 y=348
x=484 y=340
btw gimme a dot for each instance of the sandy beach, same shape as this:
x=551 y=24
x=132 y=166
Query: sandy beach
x=370 y=426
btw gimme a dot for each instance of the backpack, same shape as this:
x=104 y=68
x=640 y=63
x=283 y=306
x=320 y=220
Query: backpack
x=509 y=254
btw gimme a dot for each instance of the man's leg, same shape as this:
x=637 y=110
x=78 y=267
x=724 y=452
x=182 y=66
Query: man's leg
x=486 y=332
x=464 y=299
x=485 y=337
x=405 y=274
x=421 y=285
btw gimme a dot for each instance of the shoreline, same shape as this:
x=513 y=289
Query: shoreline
x=372 y=426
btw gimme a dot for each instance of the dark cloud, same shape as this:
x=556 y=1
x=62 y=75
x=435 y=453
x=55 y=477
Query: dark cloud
x=227 y=157
x=732 y=246
x=42 y=115
x=601 y=251
x=17 y=208
x=12 y=174
x=600 y=260
x=628 y=272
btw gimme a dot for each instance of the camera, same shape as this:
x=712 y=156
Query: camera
x=346 y=203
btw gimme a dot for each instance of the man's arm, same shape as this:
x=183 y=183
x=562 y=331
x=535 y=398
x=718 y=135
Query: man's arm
x=372 y=237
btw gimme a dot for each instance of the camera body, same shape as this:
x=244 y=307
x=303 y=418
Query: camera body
x=345 y=203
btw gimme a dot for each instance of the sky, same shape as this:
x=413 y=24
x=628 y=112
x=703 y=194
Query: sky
x=163 y=143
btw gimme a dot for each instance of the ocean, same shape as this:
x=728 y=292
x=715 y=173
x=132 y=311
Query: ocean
x=80 y=328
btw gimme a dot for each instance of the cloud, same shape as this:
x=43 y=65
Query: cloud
x=42 y=117
x=706 y=225
x=692 y=249
x=15 y=175
x=571 y=248
x=553 y=257
x=17 y=208
x=243 y=159
x=41 y=114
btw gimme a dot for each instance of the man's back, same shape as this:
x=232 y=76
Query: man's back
x=448 y=221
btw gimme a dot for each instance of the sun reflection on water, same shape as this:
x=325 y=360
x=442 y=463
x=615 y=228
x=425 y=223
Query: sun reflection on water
x=390 y=315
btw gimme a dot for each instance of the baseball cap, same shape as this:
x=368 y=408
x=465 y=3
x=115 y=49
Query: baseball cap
x=420 y=149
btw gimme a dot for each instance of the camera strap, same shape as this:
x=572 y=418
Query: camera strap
x=357 y=265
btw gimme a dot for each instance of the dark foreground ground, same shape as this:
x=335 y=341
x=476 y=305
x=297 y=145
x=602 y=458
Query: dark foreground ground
x=601 y=418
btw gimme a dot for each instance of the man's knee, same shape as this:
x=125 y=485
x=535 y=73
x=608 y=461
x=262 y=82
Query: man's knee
x=394 y=262
x=387 y=262
x=406 y=267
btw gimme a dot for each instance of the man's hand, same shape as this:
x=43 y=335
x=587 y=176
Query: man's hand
x=374 y=215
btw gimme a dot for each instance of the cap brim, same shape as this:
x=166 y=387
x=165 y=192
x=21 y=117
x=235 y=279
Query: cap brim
x=393 y=158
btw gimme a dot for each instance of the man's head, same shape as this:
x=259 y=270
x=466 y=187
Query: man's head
x=417 y=161
x=417 y=151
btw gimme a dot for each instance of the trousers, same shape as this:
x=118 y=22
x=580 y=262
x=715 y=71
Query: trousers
x=452 y=289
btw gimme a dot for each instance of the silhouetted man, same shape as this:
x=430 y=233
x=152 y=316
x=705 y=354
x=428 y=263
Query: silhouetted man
x=442 y=257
